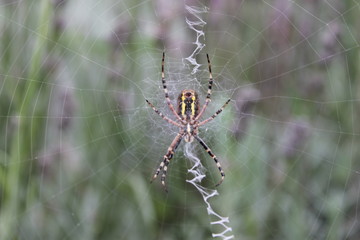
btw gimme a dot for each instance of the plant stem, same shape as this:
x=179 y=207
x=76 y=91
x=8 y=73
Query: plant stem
x=21 y=149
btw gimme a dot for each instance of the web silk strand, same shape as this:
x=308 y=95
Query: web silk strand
x=197 y=25
x=197 y=170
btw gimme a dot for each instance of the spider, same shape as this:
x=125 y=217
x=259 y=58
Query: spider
x=187 y=119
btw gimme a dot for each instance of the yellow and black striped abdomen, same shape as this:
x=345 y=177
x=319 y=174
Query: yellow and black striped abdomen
x=188 y=104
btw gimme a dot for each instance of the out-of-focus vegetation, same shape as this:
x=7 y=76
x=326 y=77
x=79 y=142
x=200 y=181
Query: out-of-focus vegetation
x=79 y=143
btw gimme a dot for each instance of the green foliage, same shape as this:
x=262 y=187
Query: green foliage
x=79 y=144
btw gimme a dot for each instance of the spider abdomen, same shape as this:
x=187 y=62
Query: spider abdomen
x=188 y=104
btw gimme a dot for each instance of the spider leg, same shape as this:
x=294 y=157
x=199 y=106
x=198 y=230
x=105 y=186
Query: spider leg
x=208 y=96
x=166 y=91
x=208 y=150
x=214 y=116
x=167 y=157
x=162 y=115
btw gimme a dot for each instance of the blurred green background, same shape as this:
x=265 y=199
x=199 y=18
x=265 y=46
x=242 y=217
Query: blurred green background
x=79 y=144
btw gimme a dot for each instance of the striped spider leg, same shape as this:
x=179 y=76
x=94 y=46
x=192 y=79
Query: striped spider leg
x=167 y=157
x=168 y=101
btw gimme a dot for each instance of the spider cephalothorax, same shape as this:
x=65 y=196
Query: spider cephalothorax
x=187 y=119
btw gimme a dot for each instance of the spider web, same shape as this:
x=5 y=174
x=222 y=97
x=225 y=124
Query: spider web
x=79 y=144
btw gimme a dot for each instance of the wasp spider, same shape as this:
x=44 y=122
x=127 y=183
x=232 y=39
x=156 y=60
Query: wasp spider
x=187 y=119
